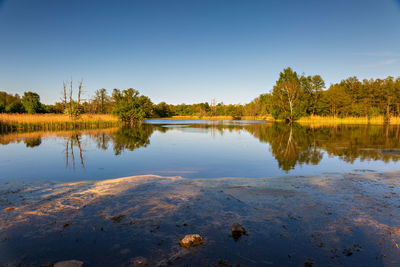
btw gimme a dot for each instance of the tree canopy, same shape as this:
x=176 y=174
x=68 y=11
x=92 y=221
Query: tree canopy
x=31 y=102
x=130 y=106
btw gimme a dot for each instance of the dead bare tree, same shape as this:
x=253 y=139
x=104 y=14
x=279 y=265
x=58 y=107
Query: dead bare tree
x=79 y=98
x=70 y=108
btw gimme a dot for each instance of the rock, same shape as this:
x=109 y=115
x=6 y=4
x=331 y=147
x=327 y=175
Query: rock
x=237 y=231
x=191 y=241
x=70 y=263
x=139 y=261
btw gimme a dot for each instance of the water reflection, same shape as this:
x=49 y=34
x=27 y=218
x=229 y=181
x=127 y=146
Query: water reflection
x=73 y=140
x=290 y=145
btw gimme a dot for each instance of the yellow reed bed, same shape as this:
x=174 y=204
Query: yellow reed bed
x=347 y=120
x=53 y=118
x=29 y=122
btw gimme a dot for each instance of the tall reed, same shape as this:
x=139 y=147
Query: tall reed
x=13 y=122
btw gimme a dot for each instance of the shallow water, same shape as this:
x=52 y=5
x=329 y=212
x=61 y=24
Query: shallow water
x=198 y=149
x=350 y=220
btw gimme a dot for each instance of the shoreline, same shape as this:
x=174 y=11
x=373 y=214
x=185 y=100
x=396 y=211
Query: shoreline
x=329 y=219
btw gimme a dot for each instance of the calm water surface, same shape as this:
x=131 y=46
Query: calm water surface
x=198 y=149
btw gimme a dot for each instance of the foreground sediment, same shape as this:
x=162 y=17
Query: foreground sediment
x=335 y=219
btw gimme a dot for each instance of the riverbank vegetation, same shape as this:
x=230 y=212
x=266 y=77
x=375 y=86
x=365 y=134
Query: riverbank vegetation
x=28 y=122
x=293 y=97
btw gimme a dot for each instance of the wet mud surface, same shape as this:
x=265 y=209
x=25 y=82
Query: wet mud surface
x=350 y=219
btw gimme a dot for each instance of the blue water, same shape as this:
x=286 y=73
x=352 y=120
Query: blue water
x=196 y=149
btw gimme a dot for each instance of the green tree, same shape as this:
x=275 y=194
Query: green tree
x=339 y=100
x=15 y=107
x=313 y=86
x=162 y=110
x=2 y=108
x=101 y=101
x=131 y=107
x=287 y=96
x=31 y=102
x=7 y=99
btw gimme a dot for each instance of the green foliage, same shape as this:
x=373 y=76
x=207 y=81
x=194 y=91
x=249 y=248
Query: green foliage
x=131 y=107
x=58 y=108
x=6 y=99
x=31 y=102
x=101 y=102
x=15 y=107
x=288 y=95
x=2 y=108
x=163 y=110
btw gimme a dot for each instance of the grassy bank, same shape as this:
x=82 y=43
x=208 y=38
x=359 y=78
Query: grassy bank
x=12 y=122
x=347 y=120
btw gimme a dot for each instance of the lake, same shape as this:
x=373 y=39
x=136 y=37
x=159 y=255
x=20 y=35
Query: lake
x=306 y=195
x=198 y=149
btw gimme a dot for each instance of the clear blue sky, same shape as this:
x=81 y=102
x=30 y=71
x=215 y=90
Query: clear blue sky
x=193 y=51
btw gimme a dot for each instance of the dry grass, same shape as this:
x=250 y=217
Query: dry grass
x=314 y=120
x=55 y=121
x=347 y=120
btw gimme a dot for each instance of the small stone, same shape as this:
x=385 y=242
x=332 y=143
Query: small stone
x=70 y=263
x=237 y=231
x=9 y=208
x=191 y=241
x=139 y=261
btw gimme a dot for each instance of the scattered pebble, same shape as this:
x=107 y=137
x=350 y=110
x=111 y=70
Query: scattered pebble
x=237 y=231
x=191 y=241
x=118 y=218
x=139 y=261
x=70 y=263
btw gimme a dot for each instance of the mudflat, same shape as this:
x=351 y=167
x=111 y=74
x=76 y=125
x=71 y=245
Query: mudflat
x=333 y=219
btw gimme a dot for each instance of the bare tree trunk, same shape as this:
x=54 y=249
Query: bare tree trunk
x=65 y=96
x=79 y=99
x=70 y=99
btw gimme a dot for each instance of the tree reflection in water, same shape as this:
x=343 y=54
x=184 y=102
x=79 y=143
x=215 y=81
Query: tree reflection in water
x=296 y=144
x=73 y=140
x=291 y=145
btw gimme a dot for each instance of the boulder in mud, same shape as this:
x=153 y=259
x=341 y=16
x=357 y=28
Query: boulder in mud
x=70 y=263
x=237 y=231
x=192 y=240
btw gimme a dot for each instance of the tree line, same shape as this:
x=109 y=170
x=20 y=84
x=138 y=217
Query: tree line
x=292 y=97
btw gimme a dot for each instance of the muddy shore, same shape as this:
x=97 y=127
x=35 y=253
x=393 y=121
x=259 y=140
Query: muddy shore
x=350 y=219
